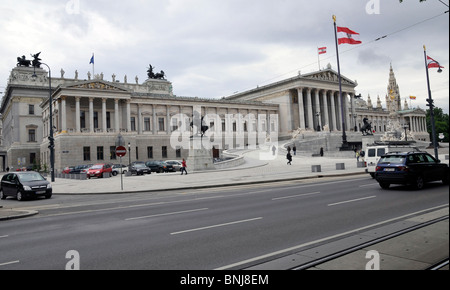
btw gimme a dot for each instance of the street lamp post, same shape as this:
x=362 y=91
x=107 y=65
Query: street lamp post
x=50 y=137
x=430 y=104
x=129 y=156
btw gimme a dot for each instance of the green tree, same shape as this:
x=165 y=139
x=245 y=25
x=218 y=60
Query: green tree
x=441 y=124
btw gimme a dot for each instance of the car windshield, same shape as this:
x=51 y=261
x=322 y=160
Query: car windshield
x=139 y=165
x=393 y=159
x=97 y=166
x=30 y=177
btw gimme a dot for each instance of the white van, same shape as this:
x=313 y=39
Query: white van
x=378 y=149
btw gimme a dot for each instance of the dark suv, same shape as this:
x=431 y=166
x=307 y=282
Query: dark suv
x=139 y=168
x=410 y=168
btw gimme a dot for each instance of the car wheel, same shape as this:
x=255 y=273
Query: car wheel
x=384 y=185
x=2 y=195
x=48 y=196
x=114 y=173
x=419 y=183
x=20 y=196
x=160 y=170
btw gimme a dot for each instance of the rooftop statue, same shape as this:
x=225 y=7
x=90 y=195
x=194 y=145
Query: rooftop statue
x=158 y=76
x=22 y=61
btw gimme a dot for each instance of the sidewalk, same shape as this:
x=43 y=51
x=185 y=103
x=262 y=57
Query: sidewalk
x=253 y=171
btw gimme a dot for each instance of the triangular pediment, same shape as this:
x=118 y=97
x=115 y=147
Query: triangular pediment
x=330 y=76
x=97 y=85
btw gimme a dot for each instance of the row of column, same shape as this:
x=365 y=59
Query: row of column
x=314 y=114
x=418 y=124
x=62 y=116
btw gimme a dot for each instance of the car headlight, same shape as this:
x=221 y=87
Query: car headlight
x=49 y=186
x=26 y=187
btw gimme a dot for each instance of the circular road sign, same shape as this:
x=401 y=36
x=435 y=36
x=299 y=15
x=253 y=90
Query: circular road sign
x=121 y=151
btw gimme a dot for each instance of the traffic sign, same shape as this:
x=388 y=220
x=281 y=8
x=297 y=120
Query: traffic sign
x=121 y=151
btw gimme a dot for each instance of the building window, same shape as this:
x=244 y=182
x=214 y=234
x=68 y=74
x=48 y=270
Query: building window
x=87 y=153
x=108 y=120
x=133 y=123
x=31 y=135
x=164 y=152
x=161 y=124
x=100 y=153
x=150 y=152
x=31 y=109
x=95 y=120
x=32 y=158
x=112 y=150
x=147 y=124
x=82 y=119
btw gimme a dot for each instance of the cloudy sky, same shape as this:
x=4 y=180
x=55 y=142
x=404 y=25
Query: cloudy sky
x=212 y=48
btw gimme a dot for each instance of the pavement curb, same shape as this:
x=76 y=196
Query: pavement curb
x=215 y=185
x=16 y=214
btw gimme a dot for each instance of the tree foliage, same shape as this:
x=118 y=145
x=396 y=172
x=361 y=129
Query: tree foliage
x=441 y=121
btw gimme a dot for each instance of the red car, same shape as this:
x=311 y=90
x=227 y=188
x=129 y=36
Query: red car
x=98 y=169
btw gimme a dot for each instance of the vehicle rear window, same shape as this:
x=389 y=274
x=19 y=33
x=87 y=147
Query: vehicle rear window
x=381 y=151
x=394 y=159
x=371 y=153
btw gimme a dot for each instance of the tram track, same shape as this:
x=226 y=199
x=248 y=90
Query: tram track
x=345 y=252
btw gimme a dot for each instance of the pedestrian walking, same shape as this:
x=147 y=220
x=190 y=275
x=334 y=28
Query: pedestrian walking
x=183 y=167
x=294 y=149
x=289 y=158
x=321 y=151
x=274 y=149
x=357 y=156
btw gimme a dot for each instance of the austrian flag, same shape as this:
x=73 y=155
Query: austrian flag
x=346 y=35
x=322 y=50
x=432 y=63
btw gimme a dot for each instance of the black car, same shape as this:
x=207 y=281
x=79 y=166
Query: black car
x=158 y=166
x=22 y=185
x=139 y=169
x=410 y=168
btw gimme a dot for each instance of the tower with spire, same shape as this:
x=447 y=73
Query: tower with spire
x=393 y=99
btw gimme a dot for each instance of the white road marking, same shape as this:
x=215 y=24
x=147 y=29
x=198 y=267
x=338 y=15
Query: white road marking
x=298 y=195
x=216 y=226
x=9 y=263
x=4 y=236
x=287 y=250
x=353 y=200
x=165 y=214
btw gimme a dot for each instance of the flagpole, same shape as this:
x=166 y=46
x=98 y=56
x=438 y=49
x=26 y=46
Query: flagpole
x=93 y=66
x=431 y=105
x=344 y=136
x=318 y=56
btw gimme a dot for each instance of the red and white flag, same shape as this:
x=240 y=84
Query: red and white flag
x=322 y=50
x=432 y=63
x=346 y=35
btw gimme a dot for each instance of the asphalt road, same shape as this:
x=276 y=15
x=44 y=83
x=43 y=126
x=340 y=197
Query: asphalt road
x=203 y=229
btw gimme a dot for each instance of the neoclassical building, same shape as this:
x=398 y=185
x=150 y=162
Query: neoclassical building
x=89 y=114
x=310 y=102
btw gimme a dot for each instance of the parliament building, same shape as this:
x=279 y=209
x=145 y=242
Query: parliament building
x=89 y=114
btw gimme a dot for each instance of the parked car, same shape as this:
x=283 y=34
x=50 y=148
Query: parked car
x=98 y=169
x=157 y=166
x=22 y=185
x=80 y=169
x=116 y=169
x=410 y=168
x=139 y=169
x=68 y=169
x=176 y=165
